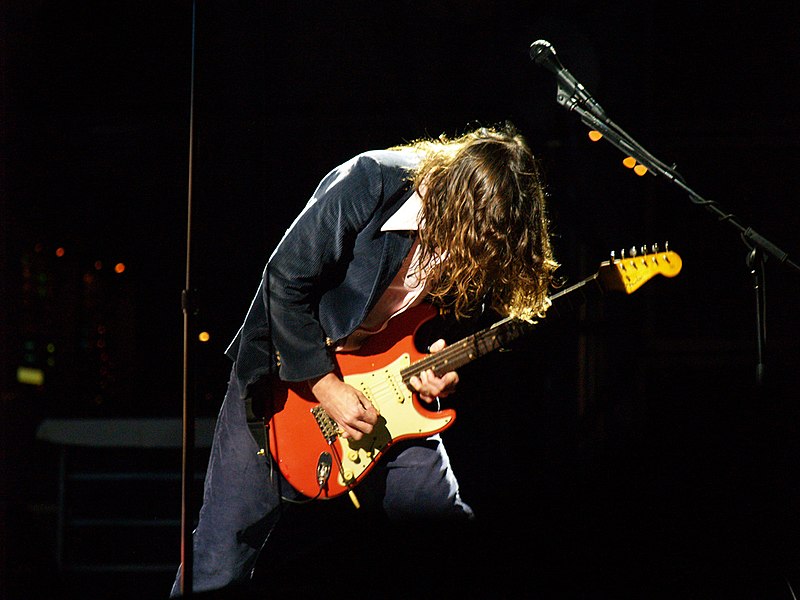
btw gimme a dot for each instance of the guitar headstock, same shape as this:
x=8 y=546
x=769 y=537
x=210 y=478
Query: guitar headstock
x=632 y=269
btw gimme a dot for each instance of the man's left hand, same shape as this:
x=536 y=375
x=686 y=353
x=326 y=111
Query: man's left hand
x=429 y=386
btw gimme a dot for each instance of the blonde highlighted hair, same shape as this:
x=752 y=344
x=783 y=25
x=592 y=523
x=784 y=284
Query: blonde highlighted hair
x=484 y=212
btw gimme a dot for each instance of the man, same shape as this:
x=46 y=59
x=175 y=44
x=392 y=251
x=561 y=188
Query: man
x=459 y=223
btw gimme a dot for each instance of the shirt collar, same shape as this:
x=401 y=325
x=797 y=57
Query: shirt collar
x=407 y=216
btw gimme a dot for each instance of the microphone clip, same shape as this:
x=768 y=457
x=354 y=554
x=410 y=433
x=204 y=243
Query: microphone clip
x=572 y=96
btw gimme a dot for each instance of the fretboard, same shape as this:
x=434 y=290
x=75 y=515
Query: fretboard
x=500 y=334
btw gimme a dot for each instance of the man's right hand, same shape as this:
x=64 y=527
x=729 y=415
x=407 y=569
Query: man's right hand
x=351 y=409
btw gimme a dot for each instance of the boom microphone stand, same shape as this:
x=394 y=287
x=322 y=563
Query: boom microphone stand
x=574 y=97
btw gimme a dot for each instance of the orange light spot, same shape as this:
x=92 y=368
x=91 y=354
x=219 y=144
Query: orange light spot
x=640 y=170
x=60 y=252
x=595 y=136
x=204 y=336
x=119 y=268
x=629 y=162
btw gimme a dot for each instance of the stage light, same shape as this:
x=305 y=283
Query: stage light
x=629 y=162
x=595 y=136
x=204 y=336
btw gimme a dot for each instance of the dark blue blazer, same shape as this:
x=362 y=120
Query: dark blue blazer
x=328 y=271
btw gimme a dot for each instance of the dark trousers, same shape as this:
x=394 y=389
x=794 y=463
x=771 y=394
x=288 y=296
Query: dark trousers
x=242 y=499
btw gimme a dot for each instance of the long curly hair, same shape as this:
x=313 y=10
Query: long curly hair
x=483 y=214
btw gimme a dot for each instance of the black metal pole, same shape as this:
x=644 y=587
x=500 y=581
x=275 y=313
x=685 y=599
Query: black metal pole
x=188 y=308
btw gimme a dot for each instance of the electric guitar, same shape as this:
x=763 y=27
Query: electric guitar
x=306 y=443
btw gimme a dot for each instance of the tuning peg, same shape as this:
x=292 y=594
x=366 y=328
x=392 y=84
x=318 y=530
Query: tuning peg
x=621 y=261
x=612 y=257
x=654 y=248
x=633 y=251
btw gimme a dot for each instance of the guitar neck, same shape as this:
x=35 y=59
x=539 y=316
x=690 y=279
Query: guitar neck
x=499 y=335
x=626 y=275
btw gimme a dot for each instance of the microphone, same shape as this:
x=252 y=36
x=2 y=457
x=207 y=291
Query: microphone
x=570 y=91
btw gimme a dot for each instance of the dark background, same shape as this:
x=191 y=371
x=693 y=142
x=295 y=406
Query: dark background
x=623 y=448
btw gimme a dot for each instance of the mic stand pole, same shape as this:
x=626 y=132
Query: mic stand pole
x=756 y=261
x=758 y=245
x=189 y=309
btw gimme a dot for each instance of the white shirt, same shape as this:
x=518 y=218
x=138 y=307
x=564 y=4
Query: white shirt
x=406 y=289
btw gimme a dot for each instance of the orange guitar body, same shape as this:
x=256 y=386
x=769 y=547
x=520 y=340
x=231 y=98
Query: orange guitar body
x=298 y=439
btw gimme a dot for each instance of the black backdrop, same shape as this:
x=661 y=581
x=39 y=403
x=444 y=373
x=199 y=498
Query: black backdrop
x=626 y=443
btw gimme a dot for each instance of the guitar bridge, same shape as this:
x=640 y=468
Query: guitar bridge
x=328 y=427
